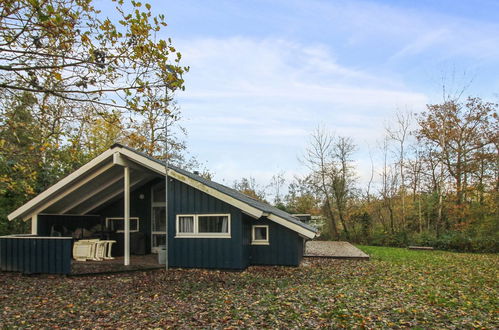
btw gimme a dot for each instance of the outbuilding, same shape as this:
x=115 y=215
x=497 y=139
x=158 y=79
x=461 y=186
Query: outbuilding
x=122 y=193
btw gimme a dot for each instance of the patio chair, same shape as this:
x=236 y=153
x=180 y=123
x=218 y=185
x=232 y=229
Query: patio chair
x=100 y=250
x=109 y=244
x=103 y=250
x=85 y=249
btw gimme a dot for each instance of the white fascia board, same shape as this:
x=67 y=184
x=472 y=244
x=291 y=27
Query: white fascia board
x=144 y=161
x=26 y=208
x=294 y=227
x=159 y=168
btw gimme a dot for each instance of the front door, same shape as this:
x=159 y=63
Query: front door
x=158 y=223
x=158 y=227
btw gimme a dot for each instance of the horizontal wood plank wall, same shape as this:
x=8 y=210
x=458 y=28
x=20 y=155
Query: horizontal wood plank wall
x=33 y=255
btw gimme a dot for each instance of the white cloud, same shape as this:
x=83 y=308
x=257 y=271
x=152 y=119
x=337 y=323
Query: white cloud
x=250 y=104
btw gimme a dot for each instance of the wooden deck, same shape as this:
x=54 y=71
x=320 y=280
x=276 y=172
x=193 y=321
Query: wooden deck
x=137 y=263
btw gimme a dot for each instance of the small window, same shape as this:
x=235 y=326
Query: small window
x=203 y=226
x=186 y=224
x=118 y=224
x=260 y=235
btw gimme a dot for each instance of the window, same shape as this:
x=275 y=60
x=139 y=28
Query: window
x=213 y=224
x=260 y=235
x=118 y=224
x=186 y=224
x=159 y=219
x=203 y=226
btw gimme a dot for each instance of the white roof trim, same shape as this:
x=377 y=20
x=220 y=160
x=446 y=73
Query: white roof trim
x=59 y=185
x=286 y=223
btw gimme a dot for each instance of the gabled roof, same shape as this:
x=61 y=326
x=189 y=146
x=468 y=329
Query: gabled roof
x=251 y=206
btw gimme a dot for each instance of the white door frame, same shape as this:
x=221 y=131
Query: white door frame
x=153 y=205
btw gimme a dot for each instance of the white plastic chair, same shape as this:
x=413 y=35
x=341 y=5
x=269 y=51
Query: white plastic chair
x=84 y=249
x=109 y=245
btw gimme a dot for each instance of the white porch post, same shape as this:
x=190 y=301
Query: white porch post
x=127 y=214
x=34 y=224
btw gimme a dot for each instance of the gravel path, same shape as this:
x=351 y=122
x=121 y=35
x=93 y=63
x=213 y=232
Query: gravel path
x=333 y=250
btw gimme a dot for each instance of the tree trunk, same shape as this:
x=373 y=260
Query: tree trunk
x=333 y=231
x=343 y=222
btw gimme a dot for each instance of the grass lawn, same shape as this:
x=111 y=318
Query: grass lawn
x=396 y=288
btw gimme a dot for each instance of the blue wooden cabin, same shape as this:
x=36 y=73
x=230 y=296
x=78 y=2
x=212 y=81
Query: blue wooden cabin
x=121 y=193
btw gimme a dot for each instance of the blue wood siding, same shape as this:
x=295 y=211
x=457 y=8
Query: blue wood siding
x=236 y=252
x=285 y=246
x=33 y=254
x=221 y=253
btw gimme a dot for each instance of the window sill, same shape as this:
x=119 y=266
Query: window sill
x=202 y=236
x=260 y=243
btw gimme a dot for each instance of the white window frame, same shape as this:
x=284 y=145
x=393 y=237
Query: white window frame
x=255 y=241
x=153 y=205
x=196 y=233
x=177 y=224
x=123 y=219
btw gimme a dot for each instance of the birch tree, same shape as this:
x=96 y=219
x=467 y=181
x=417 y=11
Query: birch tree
x=318 y=158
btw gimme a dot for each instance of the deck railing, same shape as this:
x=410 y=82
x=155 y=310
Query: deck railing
x=31 y=254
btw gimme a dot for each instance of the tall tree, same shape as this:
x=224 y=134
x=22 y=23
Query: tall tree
x=249 y=187
x=318 y=158
x=21 y=157
x=400 y=133
x=301 y=199
x=276 y=185
x=68 y=50
x=343 y=178
x=389 y=186
x=459 y=130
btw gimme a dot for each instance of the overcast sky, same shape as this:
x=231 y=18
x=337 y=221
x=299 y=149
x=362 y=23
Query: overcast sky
x=264 y=74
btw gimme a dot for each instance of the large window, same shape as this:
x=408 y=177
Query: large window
x=260 y=235
x=203 y=226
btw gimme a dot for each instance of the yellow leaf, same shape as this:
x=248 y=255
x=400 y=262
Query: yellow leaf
x=84 y=38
